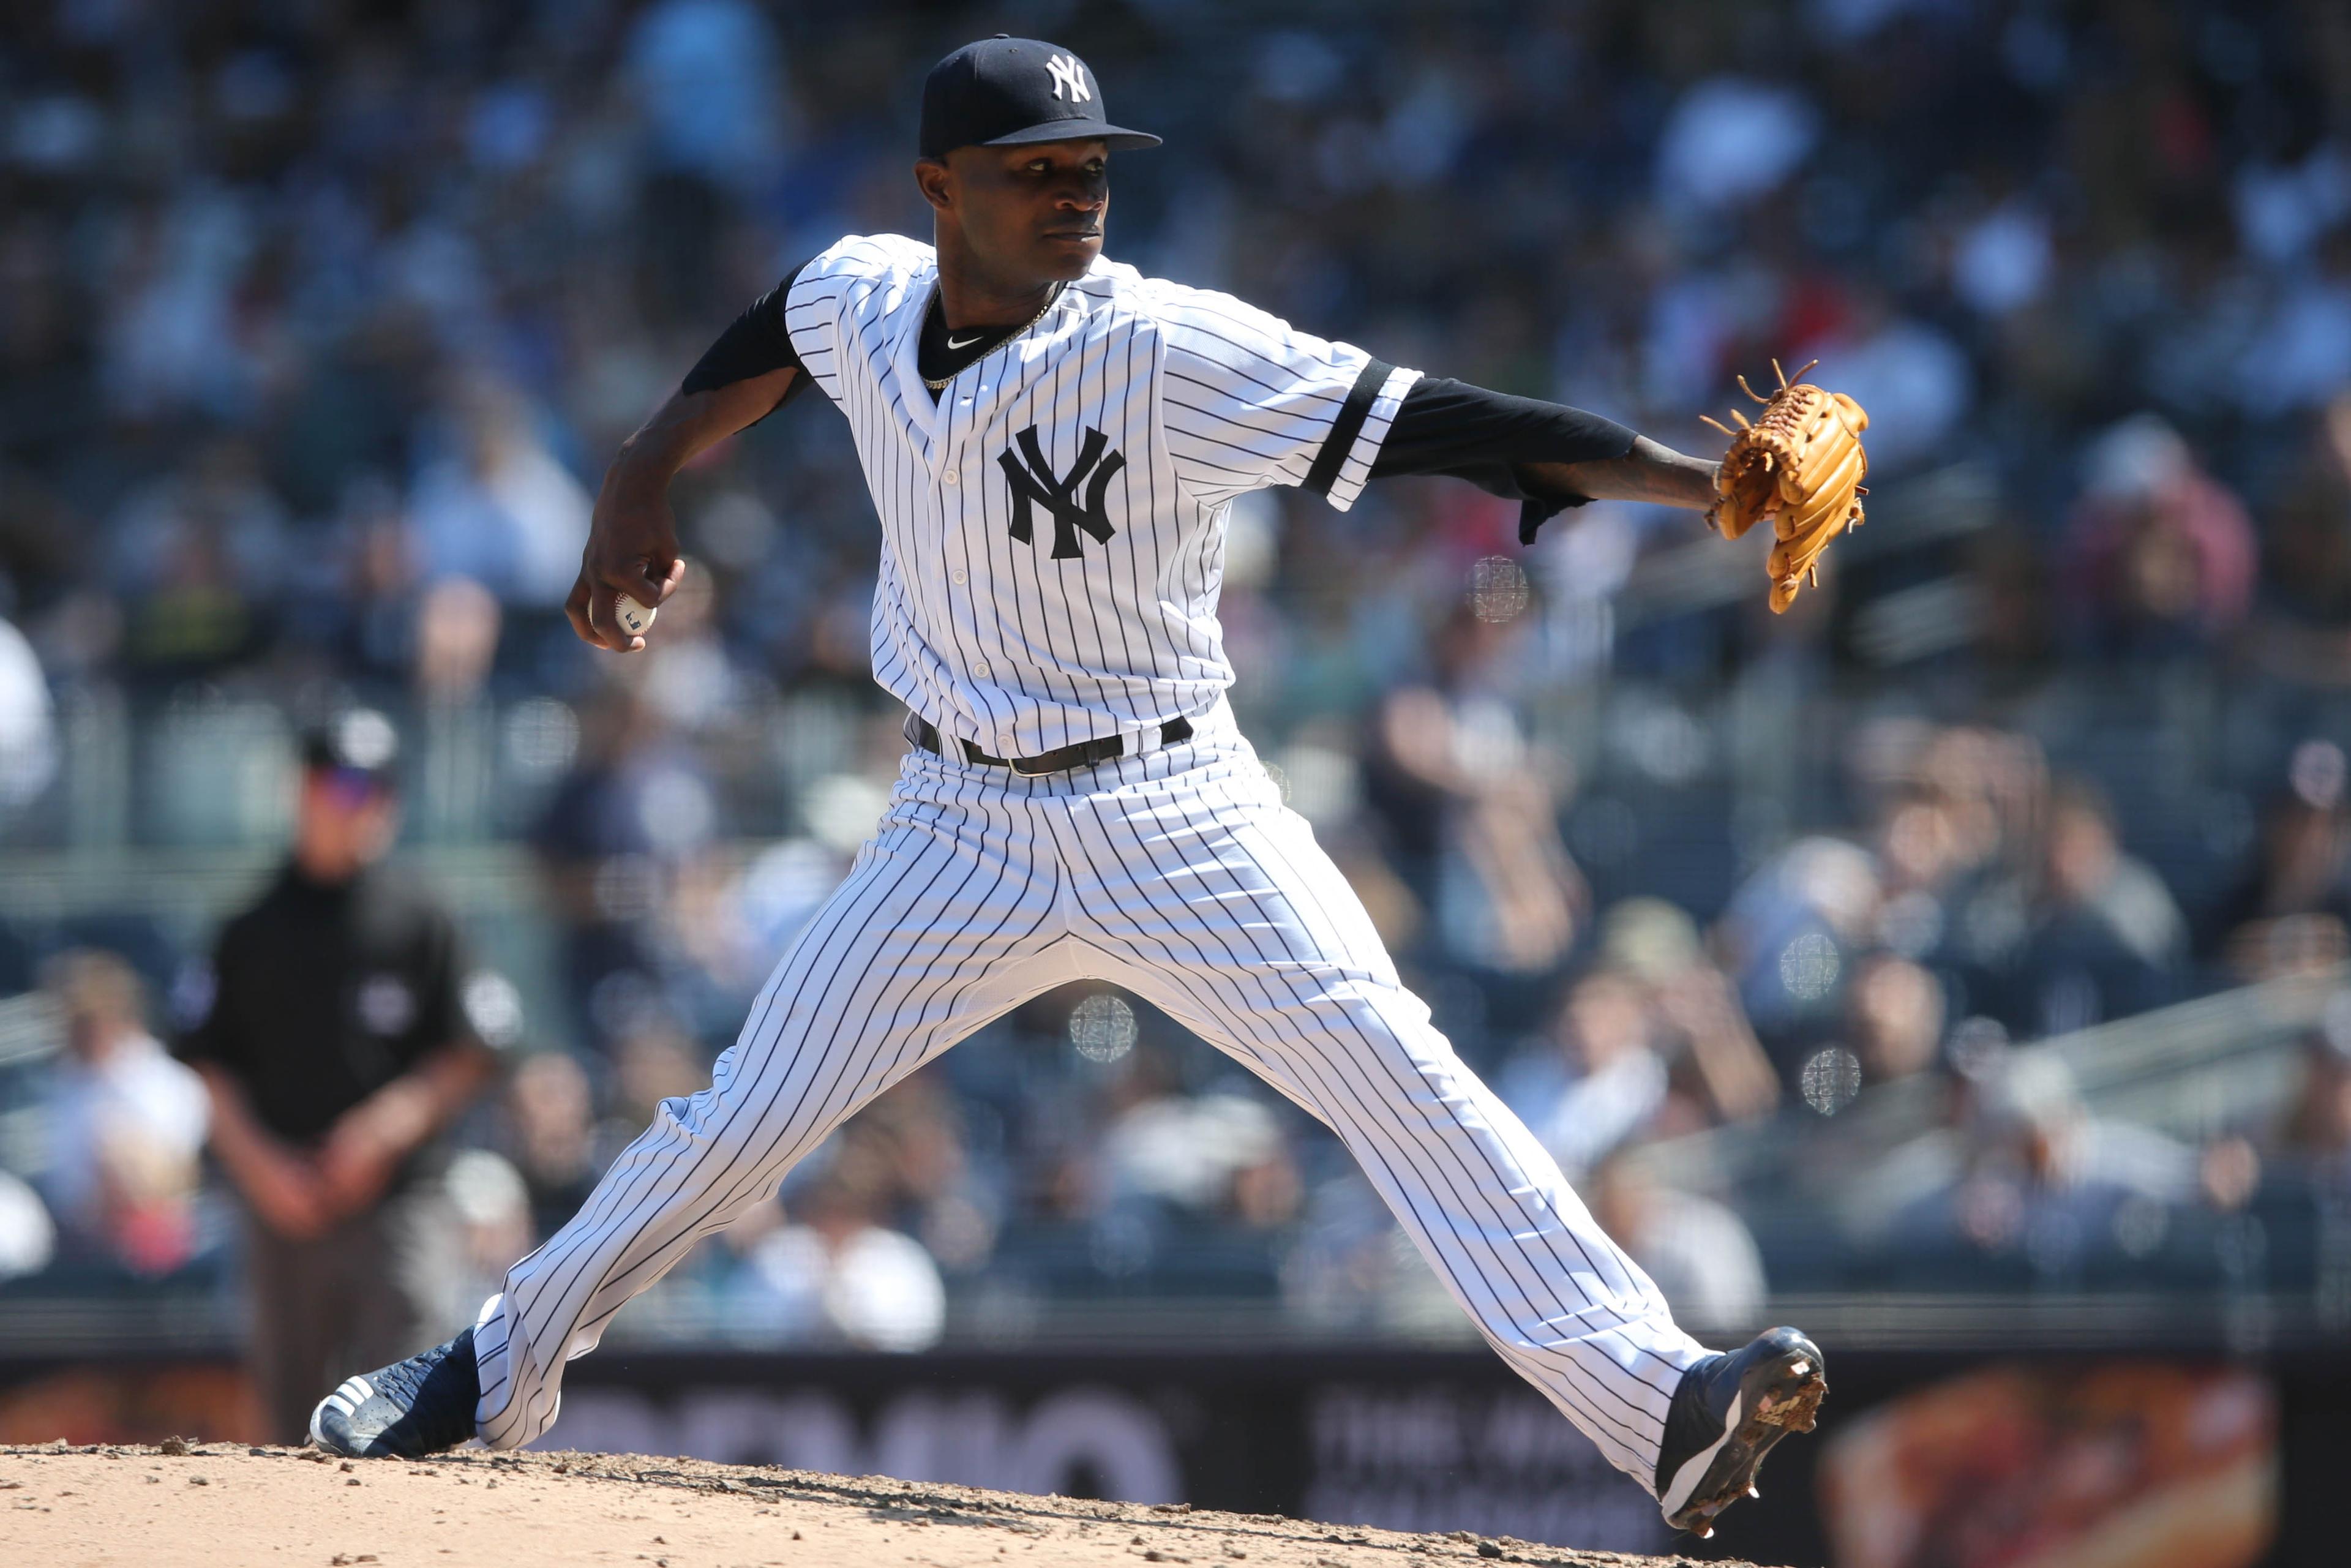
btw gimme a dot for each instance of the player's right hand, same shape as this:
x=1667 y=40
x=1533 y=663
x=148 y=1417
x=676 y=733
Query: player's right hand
x=631 y=550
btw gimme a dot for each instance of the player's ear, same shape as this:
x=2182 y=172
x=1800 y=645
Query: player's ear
x=935 y=180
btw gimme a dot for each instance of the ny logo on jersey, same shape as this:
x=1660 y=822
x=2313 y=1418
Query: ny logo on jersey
x=1068 y=73
x=1034 y=484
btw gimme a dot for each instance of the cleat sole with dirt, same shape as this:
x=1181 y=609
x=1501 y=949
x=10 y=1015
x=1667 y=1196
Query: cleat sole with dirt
x=1780 y=1394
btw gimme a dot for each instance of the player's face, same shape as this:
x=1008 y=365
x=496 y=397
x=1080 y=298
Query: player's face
x=1033 y=213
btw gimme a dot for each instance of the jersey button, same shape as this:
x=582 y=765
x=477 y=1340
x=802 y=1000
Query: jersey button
x=952 y=477
x=958 y=577
x=980 y=670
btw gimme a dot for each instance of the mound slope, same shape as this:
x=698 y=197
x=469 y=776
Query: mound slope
x=210 y=1505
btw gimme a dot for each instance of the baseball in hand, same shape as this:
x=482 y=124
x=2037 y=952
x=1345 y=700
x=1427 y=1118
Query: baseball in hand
x=633 y=618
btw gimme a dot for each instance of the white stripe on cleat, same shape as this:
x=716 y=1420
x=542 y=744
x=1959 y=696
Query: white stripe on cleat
x=1694 y=1469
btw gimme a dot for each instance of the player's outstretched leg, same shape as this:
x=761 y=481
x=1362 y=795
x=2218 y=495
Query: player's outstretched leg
x=946 y=920
x=1214 y=903
x=411 y=1408
x=1727 y=1413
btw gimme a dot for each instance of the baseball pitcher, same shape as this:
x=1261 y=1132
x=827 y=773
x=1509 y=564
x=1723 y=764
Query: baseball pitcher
x=1053 y=442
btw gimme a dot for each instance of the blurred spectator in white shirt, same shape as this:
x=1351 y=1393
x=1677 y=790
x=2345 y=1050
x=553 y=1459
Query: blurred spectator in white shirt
x=834 y=1273
x=709 y=76
x=28 y=725
x=1729 y=141
x=1601 y=1083
x=1697 y=1251
x=1788 y=928
x=2043 y=1180
x=2160 y=558
x=490 y=1204
x=500 y=509
x=126 y=1122
x=1188 y=1150
x=1916 y=383
x=1716 y=1066
x=28 y=1239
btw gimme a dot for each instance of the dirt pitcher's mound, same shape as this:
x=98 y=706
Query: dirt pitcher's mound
x=210 y=1505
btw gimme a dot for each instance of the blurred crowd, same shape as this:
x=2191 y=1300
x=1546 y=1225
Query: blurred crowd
x=321 y=318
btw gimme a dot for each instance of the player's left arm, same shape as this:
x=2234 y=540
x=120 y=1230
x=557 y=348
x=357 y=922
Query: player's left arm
x=1545 y=455
x=1250 y=399
x=1649 y=471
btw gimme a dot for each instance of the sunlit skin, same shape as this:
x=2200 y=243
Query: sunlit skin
x=1011 y=223
x=340 y=828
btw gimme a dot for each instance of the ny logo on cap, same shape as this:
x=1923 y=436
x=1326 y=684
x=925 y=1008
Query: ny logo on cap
x=1035 y=484
x=1068 y=73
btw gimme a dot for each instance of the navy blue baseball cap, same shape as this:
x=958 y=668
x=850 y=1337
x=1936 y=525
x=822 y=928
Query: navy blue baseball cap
x=1008 y=92
x=358 y=750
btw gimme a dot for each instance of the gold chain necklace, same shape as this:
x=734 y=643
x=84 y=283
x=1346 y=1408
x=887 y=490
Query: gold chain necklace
x=1051 y=300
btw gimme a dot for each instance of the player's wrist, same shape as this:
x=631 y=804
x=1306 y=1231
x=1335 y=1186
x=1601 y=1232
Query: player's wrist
x=1676 y=477
x=640 y=472
x=652 y=457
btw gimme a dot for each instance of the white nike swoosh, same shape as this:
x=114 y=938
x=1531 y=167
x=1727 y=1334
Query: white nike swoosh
x=966 y=342
x=1694 y=1469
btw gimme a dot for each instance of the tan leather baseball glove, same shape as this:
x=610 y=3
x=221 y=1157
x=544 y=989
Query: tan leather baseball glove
x=1799 y=464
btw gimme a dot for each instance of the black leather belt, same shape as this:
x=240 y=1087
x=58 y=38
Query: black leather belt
x=1083 y=754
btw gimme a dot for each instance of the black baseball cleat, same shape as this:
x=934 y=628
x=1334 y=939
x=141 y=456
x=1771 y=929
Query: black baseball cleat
x=1726 y=1413
x=409 y=1408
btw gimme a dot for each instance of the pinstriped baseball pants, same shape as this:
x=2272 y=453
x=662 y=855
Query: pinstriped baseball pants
x=1180 y=876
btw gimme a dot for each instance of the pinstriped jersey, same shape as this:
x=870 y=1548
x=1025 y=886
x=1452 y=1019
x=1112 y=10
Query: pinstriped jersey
x=1053 y=524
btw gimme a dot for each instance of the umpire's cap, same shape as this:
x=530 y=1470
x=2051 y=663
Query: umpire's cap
x=359 y=746
x=1006 y=93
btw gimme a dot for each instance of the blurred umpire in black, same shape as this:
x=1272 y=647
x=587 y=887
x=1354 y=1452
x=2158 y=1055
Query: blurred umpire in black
x=336 y=1046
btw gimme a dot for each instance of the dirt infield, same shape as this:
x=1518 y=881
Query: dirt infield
x=210 y=1505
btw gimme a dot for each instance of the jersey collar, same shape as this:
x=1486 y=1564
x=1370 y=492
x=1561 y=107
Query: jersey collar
x=925 y=418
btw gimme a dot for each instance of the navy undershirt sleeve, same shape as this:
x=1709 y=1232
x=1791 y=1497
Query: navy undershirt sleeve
x=753 y=344
x=1450 y=427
